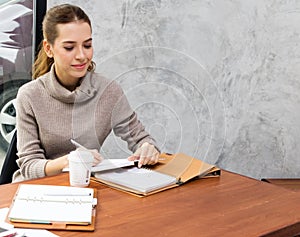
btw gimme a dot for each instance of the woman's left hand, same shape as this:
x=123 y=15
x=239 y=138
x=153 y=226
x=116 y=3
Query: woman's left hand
x=146 y=154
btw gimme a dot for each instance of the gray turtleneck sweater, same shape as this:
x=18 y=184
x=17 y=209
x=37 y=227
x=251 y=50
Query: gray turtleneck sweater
x=49 y=115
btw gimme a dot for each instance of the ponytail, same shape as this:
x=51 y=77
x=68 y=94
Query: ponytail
x=42 y=63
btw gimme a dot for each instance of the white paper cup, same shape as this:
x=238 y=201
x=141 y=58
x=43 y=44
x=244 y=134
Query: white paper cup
x=80 y=164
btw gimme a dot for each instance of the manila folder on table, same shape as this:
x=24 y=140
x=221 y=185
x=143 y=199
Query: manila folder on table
x=171 y=171
x=185 y=167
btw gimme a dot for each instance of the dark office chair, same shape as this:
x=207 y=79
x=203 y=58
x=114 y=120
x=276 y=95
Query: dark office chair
x=9 y=165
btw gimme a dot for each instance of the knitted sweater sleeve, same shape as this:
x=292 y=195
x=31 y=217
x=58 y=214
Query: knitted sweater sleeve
x=31 y=159
x=126 y=124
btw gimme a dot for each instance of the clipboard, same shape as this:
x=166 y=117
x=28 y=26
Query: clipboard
x=54 y=225
x=181 y=166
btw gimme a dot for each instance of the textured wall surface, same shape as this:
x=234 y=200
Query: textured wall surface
x=218 y=80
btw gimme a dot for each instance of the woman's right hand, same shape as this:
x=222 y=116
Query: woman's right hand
x=97 y=157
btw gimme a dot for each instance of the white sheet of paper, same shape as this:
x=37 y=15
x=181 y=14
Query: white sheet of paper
x=21 y=232
x=109 y=164
x=35 y=233
x=3 y=213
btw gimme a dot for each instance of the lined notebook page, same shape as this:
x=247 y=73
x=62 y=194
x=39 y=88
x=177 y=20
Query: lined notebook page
x=49 y=203
x=141 y=180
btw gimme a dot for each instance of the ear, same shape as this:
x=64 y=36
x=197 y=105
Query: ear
x=48 y=49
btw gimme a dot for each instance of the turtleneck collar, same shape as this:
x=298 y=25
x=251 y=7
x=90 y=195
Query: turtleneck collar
x=82 y=93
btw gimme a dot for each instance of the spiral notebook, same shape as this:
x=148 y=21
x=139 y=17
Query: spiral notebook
x=53 y=207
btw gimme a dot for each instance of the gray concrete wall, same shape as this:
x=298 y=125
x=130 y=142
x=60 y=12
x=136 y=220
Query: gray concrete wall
x=218 y=80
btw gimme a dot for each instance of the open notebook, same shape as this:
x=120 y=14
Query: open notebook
x=171 y=171
x=140 y=180
x=53 y=206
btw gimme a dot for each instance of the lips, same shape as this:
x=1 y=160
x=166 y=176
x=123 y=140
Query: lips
x=79 y=66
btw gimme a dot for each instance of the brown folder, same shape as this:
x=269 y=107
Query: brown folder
x=180 y=166
x=185 y=167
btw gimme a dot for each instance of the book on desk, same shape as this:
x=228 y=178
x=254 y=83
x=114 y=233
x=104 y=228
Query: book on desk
x=170 y=172
x=53 y=207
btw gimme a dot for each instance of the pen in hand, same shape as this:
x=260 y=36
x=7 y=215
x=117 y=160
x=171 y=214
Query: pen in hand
x=95 y=153
x=78 y=145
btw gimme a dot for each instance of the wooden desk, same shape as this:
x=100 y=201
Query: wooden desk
x=292 y=184
x=231 y=205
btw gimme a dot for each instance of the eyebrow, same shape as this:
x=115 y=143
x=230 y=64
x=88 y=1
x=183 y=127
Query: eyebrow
x=72 y=42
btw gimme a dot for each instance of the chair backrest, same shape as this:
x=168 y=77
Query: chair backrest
x=9 y=165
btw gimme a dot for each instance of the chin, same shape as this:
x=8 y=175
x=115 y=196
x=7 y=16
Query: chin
x=80 y=74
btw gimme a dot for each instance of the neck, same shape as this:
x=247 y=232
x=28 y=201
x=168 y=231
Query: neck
x=71 y=85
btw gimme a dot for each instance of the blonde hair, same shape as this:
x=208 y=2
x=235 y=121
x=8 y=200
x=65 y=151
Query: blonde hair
x=61 y=14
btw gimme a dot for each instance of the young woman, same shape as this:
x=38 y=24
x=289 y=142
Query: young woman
x=68 y=100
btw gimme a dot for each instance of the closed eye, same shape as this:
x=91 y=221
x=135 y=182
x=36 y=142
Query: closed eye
x=68 y=48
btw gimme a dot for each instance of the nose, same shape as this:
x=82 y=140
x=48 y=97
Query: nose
x=80 y=53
